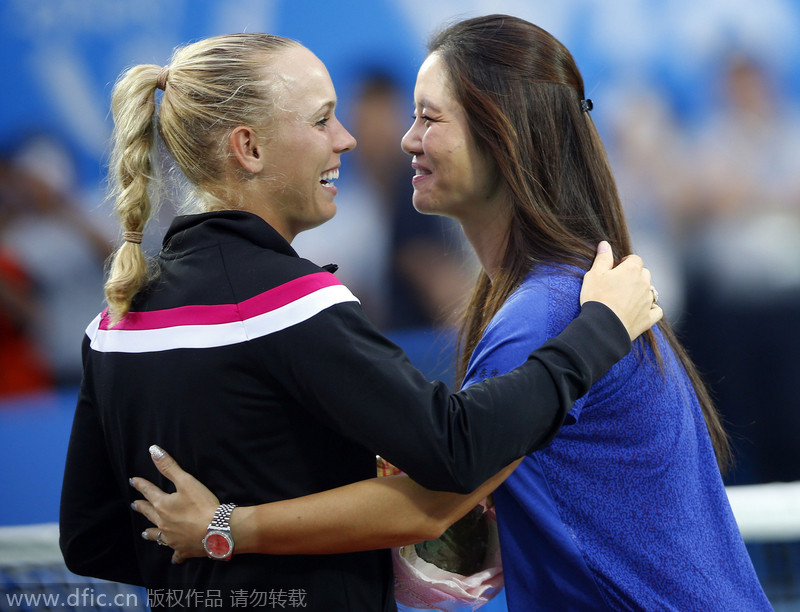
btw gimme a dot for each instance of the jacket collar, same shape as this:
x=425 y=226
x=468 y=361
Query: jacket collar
x=189 y=231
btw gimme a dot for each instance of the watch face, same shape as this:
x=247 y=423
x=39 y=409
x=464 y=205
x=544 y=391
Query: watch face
x=217 y=545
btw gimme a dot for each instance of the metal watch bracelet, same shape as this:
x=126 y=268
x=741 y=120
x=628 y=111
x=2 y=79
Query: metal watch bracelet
x=222 y=517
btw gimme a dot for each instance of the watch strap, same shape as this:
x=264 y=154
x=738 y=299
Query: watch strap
x=221 y=520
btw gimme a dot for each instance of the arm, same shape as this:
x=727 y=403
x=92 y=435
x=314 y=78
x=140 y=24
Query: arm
x=455 y=442
x=367 y=514
x=370 y=514
x=94 y=520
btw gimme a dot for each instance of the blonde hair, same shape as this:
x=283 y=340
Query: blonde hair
x=210 y=87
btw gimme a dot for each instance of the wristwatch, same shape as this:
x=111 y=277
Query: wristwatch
x=218 y=542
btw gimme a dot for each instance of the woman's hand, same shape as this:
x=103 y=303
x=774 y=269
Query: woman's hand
x=181 y=518
x=626 y=290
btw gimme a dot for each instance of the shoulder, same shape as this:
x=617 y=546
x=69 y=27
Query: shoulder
x=274 y=277
x=523 y=313
x=540 y=307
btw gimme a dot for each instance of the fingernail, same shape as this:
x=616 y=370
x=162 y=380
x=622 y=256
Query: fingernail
x=144 y=535
x=603 y=247
x=156 y=452
x=133 y=505
x=130 y=481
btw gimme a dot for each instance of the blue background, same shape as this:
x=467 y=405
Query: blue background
x=60 y=59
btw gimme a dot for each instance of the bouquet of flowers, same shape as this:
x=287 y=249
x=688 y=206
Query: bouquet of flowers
x=461 y=569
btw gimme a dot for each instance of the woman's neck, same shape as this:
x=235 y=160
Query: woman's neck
x=487 y=231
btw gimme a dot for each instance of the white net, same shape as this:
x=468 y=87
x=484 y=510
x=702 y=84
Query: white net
x=33 y=576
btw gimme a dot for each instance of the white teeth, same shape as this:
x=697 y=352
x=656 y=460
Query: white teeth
x=330 y=175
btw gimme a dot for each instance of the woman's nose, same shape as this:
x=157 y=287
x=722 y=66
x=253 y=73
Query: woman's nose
x=410 y=141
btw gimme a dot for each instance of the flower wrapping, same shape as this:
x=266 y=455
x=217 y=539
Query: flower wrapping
x=419 y=584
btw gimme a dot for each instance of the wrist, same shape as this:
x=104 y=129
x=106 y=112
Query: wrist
x=218 y=541
x=244 y=535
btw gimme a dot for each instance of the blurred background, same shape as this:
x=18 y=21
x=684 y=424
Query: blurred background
x=698 y=104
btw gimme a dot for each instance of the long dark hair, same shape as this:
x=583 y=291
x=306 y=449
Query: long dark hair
x=523 y=94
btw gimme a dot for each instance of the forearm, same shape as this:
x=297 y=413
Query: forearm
x=366 y=515
x=448 y=441
x=502 y=418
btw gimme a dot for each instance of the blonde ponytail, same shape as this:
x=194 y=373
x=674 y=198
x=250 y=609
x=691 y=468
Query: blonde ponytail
x=210 y=87
x=133 y=108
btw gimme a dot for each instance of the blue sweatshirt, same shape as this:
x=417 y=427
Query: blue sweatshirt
x=625 y=509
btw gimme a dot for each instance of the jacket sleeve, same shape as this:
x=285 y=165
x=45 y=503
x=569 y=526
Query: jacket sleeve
x=366 y=388
x=94 y=518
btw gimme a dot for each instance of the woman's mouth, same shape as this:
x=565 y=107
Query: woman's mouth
x=326 y=179
x=419 y=173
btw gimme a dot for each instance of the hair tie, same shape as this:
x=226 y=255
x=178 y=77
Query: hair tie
x=161 y=81
x=587 y=105
x=134 y=237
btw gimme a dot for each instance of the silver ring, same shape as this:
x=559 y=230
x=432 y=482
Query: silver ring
x=654 y=291
x=159 y=541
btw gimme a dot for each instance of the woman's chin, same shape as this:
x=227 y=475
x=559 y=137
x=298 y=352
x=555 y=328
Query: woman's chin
x=325 y=215
x=425 y=206
x=320 y=220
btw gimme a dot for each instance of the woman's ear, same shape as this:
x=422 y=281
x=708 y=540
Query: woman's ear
x=246 y=150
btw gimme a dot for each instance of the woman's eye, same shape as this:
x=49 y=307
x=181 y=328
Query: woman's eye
x=323 y=122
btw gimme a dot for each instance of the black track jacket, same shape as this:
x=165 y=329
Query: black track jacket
x=259 y=373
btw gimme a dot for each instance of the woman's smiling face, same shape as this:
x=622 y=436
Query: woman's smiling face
x=306 y=143
x=452 y=177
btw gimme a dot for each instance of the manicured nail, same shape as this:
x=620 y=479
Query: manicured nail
x=133 y=505
x=144 y=535
x=156 y=452
x=130 y=481
x=603 y=247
